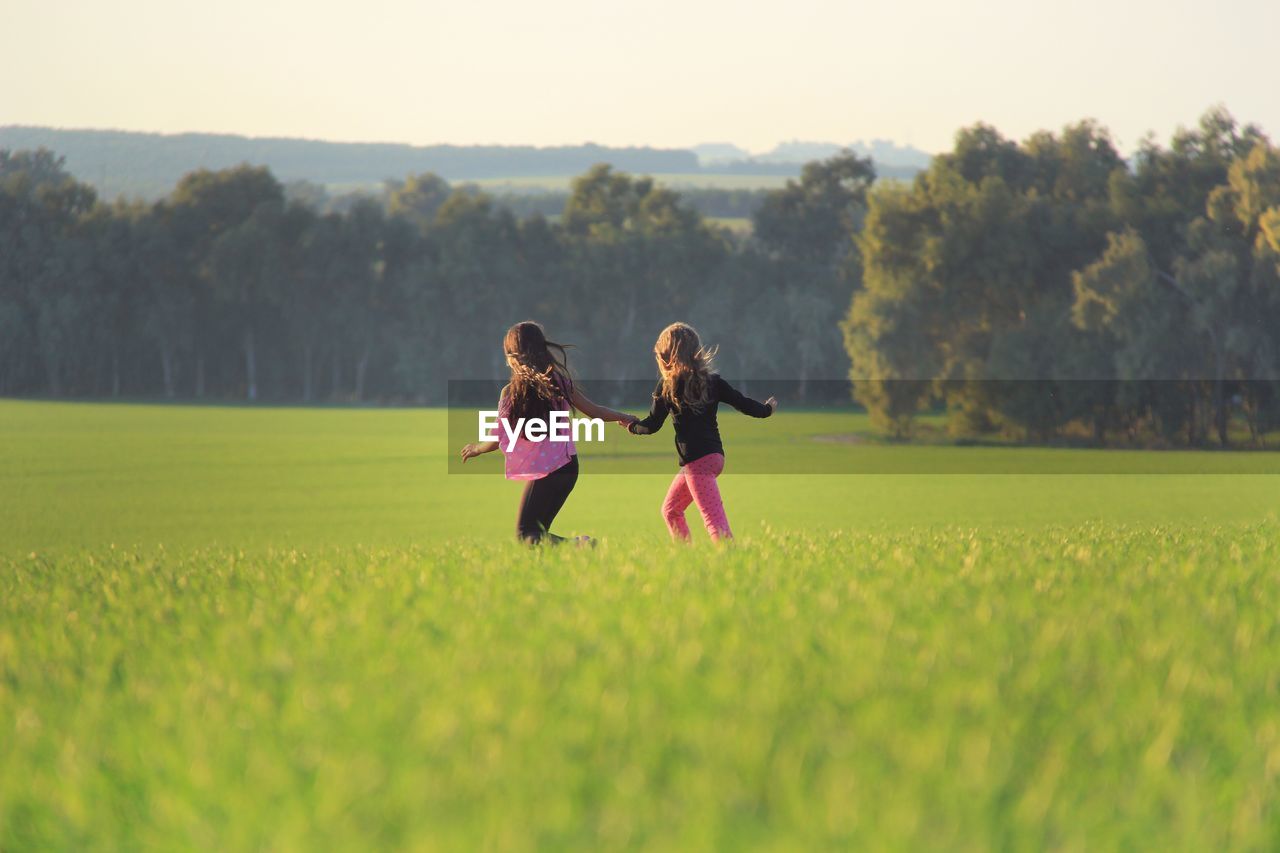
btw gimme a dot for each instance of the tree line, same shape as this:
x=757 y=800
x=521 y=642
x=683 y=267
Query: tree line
x=1042 y=289
x=237 y=287
x=710 y=202
x=1051 y=289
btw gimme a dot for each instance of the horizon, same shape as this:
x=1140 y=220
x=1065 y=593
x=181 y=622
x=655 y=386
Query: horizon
x=667 y=77
x=867 y=141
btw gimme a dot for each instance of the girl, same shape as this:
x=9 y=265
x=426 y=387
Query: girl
x=540 y=383
x=690 y=391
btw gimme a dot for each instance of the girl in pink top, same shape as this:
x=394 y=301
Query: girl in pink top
x=540 y=384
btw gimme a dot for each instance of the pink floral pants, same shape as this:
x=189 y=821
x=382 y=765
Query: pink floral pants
x=696 y=483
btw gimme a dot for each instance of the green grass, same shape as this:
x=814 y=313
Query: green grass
x=86 y=476
x=292 y=629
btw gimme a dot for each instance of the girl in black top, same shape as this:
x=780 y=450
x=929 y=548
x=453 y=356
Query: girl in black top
x=689 y=391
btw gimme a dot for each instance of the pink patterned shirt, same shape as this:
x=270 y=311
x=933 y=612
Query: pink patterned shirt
x=533 y=460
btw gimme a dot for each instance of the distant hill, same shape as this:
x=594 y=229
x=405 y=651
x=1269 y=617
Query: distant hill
x=712 y=153
x=883 y=151
x=891 y=160
x=149 y=165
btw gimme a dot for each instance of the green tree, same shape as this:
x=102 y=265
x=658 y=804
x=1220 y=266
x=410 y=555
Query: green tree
x=245 y=263
x=1195 y=309
x=806 y=232
x=418 y=199
x=638 y=256
x=205 y=206
x=967 y=283
x=168 y=283
x=45 y=264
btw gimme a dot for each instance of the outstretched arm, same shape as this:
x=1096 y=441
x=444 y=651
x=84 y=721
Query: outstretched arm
x=594 y=410
x=743 y=403
x=472 y=450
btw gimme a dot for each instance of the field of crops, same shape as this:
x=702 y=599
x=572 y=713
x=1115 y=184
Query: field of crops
x=292 y=628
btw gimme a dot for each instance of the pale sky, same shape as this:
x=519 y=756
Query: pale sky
x=658 y=72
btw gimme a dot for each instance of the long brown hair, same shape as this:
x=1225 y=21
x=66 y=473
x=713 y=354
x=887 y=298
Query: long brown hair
x=685 y=366
x=539 y=371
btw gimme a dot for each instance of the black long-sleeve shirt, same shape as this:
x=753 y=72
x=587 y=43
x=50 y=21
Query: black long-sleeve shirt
x=697 y=433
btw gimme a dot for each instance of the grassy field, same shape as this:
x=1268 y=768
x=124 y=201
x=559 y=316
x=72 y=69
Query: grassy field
x=290 y=628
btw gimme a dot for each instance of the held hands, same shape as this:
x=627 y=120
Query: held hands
x=625 y=421
x=634 y=427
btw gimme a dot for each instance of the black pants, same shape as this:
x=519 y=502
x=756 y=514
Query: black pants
x=541 y=501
